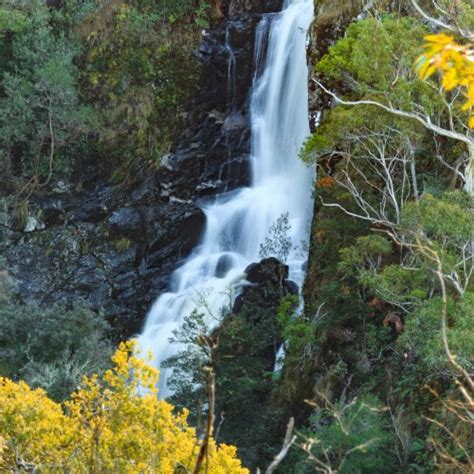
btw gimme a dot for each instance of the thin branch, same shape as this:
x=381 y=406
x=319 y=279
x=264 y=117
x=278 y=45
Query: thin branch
x=288 y=442
x=433 y=255
x=211 y=399
x=51 y=150
x=423 y=119
x=441 y=24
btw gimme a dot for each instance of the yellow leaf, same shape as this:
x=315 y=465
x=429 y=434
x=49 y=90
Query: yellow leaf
x=455 y=64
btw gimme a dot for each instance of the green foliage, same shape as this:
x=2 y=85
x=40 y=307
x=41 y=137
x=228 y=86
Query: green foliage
x=278 y=242
x=176 y=10
x=422 y=336
x=398 y=285
x=351 y=438
x=139 y=70
x=381 y=299
x=188 y=377
x=447 y=219
x=298 y=331
x=386 y=74
x=11 y=21
x=384 y=71
x=52 y=347
x=366 y=254
x=110 y=80
x=41 y=118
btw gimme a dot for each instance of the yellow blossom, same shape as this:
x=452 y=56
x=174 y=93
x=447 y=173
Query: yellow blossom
x=454 y=62
x=111 y=424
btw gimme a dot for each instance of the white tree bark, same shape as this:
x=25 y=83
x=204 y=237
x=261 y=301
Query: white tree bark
x=469 y=182
x=425 y=120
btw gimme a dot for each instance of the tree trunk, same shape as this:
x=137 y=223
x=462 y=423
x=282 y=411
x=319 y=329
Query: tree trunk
x=469 y=185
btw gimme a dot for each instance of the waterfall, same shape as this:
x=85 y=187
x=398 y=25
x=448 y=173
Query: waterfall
x=238 y=221
x=230 y=70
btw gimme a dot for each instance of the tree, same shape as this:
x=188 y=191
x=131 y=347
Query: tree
x=278 y=241
x=389 y=89
x=113 y=423
x=348 y=436
x=40 y=112
x=53 y=347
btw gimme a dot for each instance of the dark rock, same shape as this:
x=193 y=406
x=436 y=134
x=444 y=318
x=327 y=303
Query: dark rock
x=238 y=304
x=267 y=282
x=147 y=192
x=291 y=287
x=126 y=221
x=223 y=266
x=268 y=268
x=260 y=299
x=213 y=154
x=116 y=246
x=82 y=260
x=95 y=208
x=52 y=211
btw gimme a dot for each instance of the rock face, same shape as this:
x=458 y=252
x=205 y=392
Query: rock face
x=269 y=284
x=213 y=155
x=116 y=248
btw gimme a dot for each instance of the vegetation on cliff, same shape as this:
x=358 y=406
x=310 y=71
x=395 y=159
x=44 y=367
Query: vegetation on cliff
x=390 y=277
x=93 y=81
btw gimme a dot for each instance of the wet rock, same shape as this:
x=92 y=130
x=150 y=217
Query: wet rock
x=268 y=284
x=213 y=153
x=255 y=6
x=53 y=211
x=238 y=303
x=126 y=221
x=260 y=299
x=32 y=224
x=224 y=264
x=118 y=259
x=116 y=246
x=268 y=269
x=291 y=287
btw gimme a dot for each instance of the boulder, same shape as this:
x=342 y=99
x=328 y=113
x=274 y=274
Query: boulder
x=268 y=269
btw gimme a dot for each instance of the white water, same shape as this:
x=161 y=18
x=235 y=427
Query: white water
x=239 y=221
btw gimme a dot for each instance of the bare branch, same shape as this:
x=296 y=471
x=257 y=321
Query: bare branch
x=427 y=123
x=423 y=119
x=441 y=24
x=287 y=443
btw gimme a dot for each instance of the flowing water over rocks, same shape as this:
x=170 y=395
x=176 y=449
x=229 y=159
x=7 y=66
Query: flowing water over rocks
x=238 y=221
x=116 y=246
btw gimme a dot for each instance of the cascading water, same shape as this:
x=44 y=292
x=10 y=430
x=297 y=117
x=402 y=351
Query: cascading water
x=239 y=221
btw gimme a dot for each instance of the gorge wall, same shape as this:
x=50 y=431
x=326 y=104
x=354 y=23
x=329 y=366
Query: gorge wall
x=115 y=246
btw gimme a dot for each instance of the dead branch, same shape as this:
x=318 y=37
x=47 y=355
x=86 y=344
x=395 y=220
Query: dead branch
x=287 y=443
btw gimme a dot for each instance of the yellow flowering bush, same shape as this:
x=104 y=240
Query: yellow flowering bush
x=33 y=426
x=111 y=424
x=455 y=62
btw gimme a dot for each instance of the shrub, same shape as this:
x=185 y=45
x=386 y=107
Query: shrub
x=113 y=423
x=50 y=347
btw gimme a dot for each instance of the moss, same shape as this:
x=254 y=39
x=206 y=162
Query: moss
x=122 y=244
x=332 y=12
x=20 y=214
x=85 y=247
